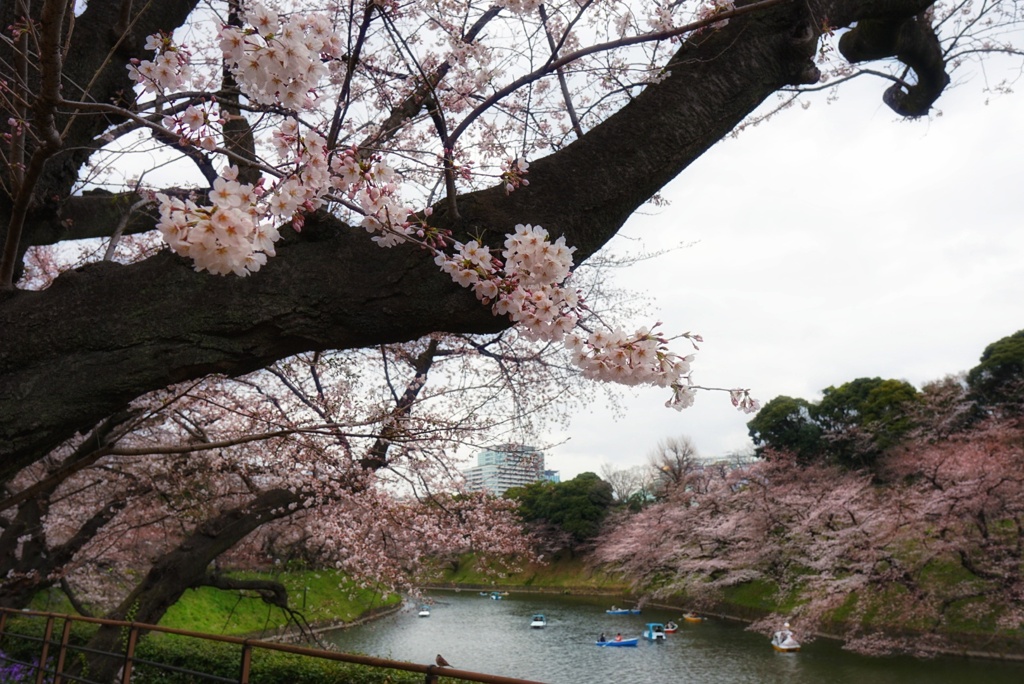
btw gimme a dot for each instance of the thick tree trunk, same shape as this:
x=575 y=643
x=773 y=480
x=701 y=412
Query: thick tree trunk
x=183 y=568
x=106 y=334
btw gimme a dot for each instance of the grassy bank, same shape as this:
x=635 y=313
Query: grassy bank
x=321 y=596
x=564 y=574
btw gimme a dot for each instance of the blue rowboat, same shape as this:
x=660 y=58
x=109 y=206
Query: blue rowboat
x=624 y=642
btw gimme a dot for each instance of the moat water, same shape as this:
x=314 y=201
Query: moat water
x=477 y=633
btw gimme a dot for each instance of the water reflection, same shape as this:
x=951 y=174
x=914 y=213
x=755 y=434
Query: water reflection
x=477 y=633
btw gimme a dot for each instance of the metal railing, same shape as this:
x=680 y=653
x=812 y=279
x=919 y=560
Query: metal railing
x=54 y=654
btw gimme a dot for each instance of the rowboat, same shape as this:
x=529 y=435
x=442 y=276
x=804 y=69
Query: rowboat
x=623 y=642
x=784 y=641
x=623 y=611
x=671 y=627
x=692 y=617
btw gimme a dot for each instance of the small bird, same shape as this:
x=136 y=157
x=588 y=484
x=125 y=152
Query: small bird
x=441 y=662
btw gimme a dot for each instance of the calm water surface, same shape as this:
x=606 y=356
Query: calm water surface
x=477 y=633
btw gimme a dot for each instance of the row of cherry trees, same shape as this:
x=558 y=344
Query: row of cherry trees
x=930 y=536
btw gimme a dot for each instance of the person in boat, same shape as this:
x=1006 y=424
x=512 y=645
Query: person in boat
x=601 y=639
x=618 y=637
x=783 y=634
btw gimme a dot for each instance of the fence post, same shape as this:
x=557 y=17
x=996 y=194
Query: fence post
x=129 y=655
x=65 y=637
x=47 y=635
x=243 y=676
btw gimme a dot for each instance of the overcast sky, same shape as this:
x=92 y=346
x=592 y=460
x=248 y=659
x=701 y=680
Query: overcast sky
x=829 y=244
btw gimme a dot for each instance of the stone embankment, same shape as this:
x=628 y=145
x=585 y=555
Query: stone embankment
x=291 y=634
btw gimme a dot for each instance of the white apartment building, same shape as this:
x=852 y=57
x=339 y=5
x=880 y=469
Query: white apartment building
x=504 y=466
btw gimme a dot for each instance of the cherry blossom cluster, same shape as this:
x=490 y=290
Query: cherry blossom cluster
x=513 y=174
x=224 y=237
x=527 y=286
x=639 y=358
x=169 y=70
x=304 y=188
x=742 y=400
x=661 y=18
x=280 y=62
x=193 y=125
x=538 y=269
x=374 y=185
x=519 y=6
x=236 y=232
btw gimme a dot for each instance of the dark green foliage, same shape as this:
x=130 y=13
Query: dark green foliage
x=577 y=506
x=637 y=500
x=268 y=667
x=208 y=657
x=866 y=401
x=787 y=424
x=865 y=417
x=853 y=424
x=999 y=378
x=23 y=636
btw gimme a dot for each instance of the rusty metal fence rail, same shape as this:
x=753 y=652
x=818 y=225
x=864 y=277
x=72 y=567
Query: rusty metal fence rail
x=54 y=652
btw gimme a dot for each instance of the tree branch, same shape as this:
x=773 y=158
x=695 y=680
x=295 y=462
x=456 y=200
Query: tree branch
x=128 y=330
x=912 y=41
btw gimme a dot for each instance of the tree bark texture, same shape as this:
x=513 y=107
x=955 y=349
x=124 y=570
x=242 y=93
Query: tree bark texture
x=103 y=335
x=182 y=568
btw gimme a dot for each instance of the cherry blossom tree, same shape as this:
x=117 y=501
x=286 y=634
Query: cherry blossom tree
x=319 y=181
x=228 y=441
x=315 y=137
x=971 y=495
x=353 y=470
